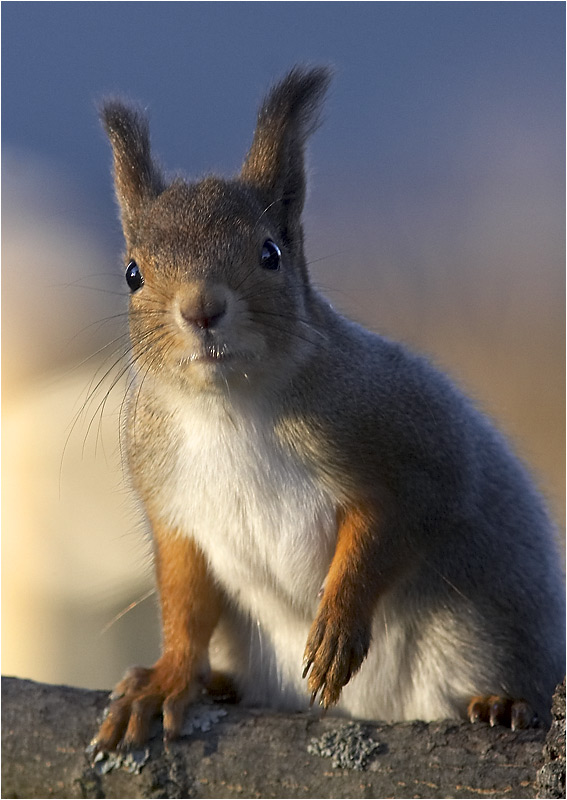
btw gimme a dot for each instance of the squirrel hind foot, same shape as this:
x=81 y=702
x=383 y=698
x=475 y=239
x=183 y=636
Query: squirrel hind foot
x=499 y=710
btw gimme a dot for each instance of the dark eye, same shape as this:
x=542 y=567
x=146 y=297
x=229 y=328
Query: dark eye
x=134 y=277
x=271 y=255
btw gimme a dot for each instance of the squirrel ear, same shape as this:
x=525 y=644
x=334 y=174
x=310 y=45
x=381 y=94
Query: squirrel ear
x=137 y=179
x=287 y=117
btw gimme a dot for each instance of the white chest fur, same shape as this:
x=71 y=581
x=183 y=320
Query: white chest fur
x=266 y=525
x=268 y=529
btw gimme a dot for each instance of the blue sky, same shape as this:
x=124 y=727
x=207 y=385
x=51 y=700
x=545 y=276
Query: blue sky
x=411 y=78
x=442 y=152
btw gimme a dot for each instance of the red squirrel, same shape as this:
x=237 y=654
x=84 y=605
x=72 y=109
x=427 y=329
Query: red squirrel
x=332 y=518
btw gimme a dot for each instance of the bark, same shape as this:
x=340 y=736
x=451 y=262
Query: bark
x=228 y=751
x=551 y=777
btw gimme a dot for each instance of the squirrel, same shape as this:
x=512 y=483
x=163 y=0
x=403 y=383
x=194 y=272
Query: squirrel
x=332 y=519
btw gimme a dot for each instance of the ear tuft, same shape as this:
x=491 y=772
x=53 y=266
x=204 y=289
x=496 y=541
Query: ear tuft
x=287 y=117
x=137 y=179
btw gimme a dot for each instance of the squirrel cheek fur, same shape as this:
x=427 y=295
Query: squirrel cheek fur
x=330 y=515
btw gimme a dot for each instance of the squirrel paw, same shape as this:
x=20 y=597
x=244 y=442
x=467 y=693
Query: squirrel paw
x=335 y=650
x=497 y=710
x=138 y=698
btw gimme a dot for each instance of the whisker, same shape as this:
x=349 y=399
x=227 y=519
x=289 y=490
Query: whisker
x=289 y=333
x=291 y=318
x=77 y=281
x=95 y=385
x=99 y=411
x=96 y=353
x=324 y=258
x=149 y=364
x=124 y=611
x=247 y=275
x=273 y=203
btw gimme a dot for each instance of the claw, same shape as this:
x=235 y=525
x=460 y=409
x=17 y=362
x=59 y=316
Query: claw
x=500 y=710
x=522 y=716
x=170 y=736
x=497 y=711
x=475 y=713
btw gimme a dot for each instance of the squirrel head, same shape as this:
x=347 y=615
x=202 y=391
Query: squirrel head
x=216 y=268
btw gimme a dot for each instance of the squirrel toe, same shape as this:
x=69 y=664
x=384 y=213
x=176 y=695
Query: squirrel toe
x=499 y=710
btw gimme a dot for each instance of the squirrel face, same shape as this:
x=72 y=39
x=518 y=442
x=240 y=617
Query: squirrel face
x=216 y=295
x=220 y=291
x=217 y=299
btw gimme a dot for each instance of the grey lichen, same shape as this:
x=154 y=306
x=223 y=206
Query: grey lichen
x=200 y=718
x=348 y=748
x=132 y=761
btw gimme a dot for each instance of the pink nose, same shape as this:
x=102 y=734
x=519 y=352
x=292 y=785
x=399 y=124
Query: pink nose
x=204 y=315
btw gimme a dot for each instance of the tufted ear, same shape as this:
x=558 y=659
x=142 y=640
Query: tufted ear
x=137 y=179
x=288 y=116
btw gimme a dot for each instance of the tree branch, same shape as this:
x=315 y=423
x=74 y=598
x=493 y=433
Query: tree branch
x=237 y=752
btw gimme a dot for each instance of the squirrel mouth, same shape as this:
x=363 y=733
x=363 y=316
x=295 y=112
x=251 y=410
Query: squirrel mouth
x=206 y=358
x=214 y=354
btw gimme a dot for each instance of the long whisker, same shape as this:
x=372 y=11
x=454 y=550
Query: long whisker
x=273 y=203
x=287 y=332
x=150 y=341
x=124 y=611
x=149 y=364
x=324 y=258
x=289 y=317
x=95 y=385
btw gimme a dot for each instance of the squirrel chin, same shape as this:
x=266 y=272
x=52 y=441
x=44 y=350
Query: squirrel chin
x=214 y=368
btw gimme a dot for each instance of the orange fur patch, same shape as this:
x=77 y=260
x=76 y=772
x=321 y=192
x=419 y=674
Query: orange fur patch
x=191 y=605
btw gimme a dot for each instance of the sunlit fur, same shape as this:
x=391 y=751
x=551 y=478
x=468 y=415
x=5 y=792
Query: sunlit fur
x=256 y=434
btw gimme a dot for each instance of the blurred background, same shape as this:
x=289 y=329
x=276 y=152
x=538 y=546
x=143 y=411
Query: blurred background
x=436 y=215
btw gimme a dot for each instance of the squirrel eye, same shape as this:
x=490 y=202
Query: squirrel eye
x=134 y=277
x=271 y=255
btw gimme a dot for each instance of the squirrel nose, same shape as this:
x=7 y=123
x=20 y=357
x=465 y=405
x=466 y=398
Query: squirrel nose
x=203 y=315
